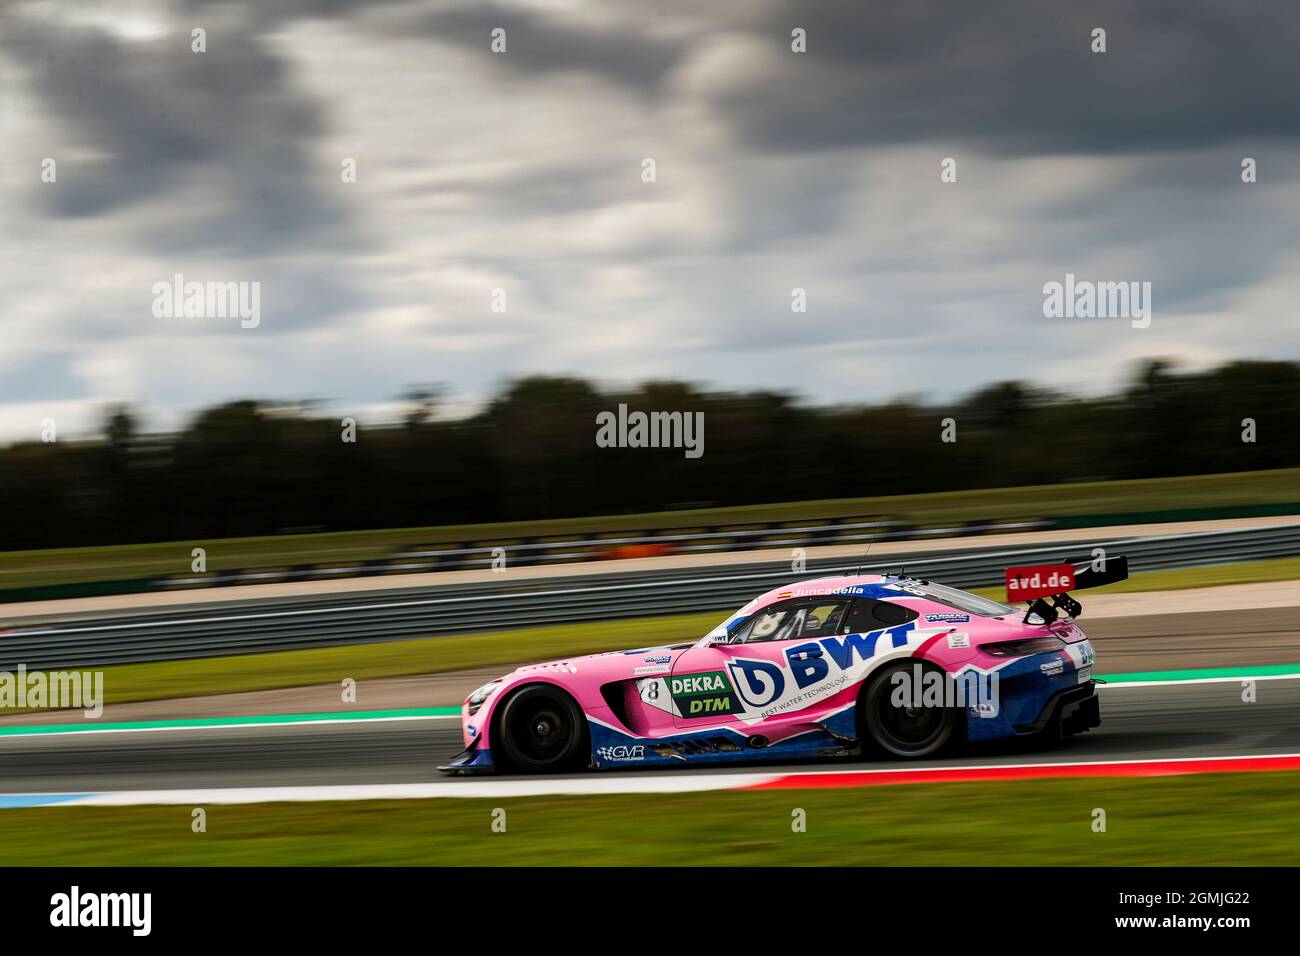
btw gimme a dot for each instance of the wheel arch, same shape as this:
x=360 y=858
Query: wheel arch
x=493 y=725
x=881 y=673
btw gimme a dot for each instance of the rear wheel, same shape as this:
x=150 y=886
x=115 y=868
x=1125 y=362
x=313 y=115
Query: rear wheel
x=540 y=729
x=894 y=717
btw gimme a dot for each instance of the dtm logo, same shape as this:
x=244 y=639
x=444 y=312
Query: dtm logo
x=703 y=695
x=636 y=752
x=761 y=683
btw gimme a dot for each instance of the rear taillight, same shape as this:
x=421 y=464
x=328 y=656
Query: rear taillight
x=1030 y=645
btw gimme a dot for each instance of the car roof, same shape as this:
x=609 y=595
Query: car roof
x=842 y=585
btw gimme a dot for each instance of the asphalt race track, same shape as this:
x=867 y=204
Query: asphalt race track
x=1166 y=721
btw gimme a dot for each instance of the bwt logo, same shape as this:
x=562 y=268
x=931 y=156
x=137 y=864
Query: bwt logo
x=761 y=683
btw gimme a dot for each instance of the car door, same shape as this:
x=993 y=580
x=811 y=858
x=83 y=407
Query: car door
x=739 y=682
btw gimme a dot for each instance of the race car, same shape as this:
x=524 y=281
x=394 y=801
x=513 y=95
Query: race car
x=858 y=665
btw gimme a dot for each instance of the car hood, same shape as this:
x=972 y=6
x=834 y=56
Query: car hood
x=611 y=664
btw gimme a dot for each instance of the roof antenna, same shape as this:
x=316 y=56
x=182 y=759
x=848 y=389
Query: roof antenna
x=865 y=554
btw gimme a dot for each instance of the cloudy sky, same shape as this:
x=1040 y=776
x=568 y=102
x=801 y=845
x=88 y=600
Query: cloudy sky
x=523 y=171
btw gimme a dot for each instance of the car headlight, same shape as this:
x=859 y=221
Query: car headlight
x=475 y=700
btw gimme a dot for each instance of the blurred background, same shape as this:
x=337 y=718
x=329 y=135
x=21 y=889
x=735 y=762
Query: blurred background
x=473 y=242
x=382 y=173
x=475 y=227
x=260 y=468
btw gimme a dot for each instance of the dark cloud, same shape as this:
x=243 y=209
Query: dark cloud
x=271 y=12
x=1015 y=76
x=817 y=170
x=542 y=43
x=1019 y=76
x=155 y=117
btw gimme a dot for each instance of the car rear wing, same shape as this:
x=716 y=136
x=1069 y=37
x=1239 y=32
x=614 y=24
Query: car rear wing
x=1112 y=570
x=1037 y=584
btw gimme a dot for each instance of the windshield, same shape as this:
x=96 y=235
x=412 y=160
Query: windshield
x=720 y=632
x=958 y=599
x=792 y=619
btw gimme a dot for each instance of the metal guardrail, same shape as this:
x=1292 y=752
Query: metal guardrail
x=286 y=623
x=529 y=553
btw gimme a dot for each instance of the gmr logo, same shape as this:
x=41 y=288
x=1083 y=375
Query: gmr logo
x=621 y=752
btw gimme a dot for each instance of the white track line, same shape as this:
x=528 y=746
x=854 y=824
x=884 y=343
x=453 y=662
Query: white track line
x=372 y=720
x=244 y=726
x=576 y=786
x=1196 y=680
x=469 y=787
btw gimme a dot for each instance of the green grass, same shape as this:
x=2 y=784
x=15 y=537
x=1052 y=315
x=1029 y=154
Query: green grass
x=429 y=655
x=424 y=655
x=1172 y=821
x=60 y=566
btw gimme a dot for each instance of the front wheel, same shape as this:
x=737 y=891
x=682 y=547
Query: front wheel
x=895 y=716
x=540 y=729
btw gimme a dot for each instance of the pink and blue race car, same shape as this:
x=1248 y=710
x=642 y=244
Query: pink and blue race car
x=883 y=665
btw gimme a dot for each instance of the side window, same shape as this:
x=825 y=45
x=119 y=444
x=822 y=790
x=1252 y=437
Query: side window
x=792 y=620
x=824 y=618
x=869 y=614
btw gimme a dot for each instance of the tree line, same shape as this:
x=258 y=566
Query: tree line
x=255 y=468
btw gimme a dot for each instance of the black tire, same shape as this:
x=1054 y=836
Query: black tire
x=907 y=732
x=540 y=729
